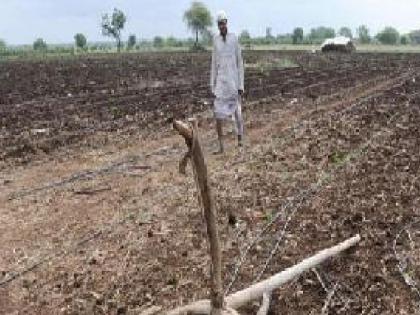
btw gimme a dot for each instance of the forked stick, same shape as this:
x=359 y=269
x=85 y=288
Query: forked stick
x=200 y=168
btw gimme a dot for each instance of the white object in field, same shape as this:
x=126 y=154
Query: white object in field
x=227 y=74
x=221 y=15
x=340 y=41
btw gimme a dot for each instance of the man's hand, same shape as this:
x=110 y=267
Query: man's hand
x=241 y=92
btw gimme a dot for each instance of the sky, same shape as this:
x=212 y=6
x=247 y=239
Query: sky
x=56 y=21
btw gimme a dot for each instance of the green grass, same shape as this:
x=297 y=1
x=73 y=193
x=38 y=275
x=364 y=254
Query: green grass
x=338 y=157
x=374 y=48
x=28 y=54
x=389 y=48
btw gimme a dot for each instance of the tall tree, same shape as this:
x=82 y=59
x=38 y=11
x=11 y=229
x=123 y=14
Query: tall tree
x=320 y=33
x=269 y=33
x=40 y=45
x=158 y=41
x=244 y=37
x=363 y=34
x=297 y=35
x=346 y=32
x=132 y=40
x=80 y=40
x=112 y=26
x=198 y=19
x=171 y=41
x=388 y=36
x=3 y=45
x=415 y=36
x=404 y=40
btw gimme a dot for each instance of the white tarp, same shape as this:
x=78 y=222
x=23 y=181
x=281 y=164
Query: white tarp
x=338 y=41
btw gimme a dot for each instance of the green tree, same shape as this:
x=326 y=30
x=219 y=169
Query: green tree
x=244 y=37
x=198 y=19
x=132 y=40
x=388 y=36
x=207 y=37
x=363 y=34
x=112 y=26
x=269 y=33
x=171 y=41
x=297 y=35
x=158 y=42
x=3 y=45
x=404 y=40
x=346 y=32
x=320 y=33
x=80 y=41
x=40 y=45
x=415 y=36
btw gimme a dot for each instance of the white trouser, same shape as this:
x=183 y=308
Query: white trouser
x=238 y=121
x=230 y=108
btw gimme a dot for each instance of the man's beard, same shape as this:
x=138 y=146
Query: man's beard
x=223 y=33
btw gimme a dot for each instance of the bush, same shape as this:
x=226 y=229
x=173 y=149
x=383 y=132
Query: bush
x=158 y=42
x=404 y=40
x=3 y=45
x=80 y=41
x=388 y=36
x=40 y=45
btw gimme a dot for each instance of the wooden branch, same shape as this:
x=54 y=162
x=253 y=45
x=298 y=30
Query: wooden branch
x=265 y=306
x=199 y=164
x=256 y=291
x=183 y=129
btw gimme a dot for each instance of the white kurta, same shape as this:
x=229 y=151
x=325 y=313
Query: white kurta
x=227 y=75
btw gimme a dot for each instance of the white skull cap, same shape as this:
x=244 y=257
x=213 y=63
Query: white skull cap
x=221 y=15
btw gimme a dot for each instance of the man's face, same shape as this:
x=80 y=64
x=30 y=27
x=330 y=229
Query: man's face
x=222 y=27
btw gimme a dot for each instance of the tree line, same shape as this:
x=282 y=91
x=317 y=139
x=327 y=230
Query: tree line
x=198 y=19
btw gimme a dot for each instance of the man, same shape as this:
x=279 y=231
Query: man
x=227 y=80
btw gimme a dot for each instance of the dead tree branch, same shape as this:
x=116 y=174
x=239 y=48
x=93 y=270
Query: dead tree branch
x=257 y=290
x=200 y=168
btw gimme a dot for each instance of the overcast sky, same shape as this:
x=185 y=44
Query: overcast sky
x=22 y=21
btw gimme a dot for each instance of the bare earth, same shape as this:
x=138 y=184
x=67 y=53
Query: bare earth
x=96 y=219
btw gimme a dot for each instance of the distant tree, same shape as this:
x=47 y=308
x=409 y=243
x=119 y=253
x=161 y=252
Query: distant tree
x=132 y=40
x=297 y=35
x=112 y=26
x=198 y=19
x=244 y=37
x=207 y=37
x=346 y=32
x=415 y=36
x=404 y=40
x=3 y=45
x=363 y=34
x=80 y=41
x=388 y=36
x=269 y=33
x=171 y=41
x=40 y=45
x=320 y=33
x=158 y=42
